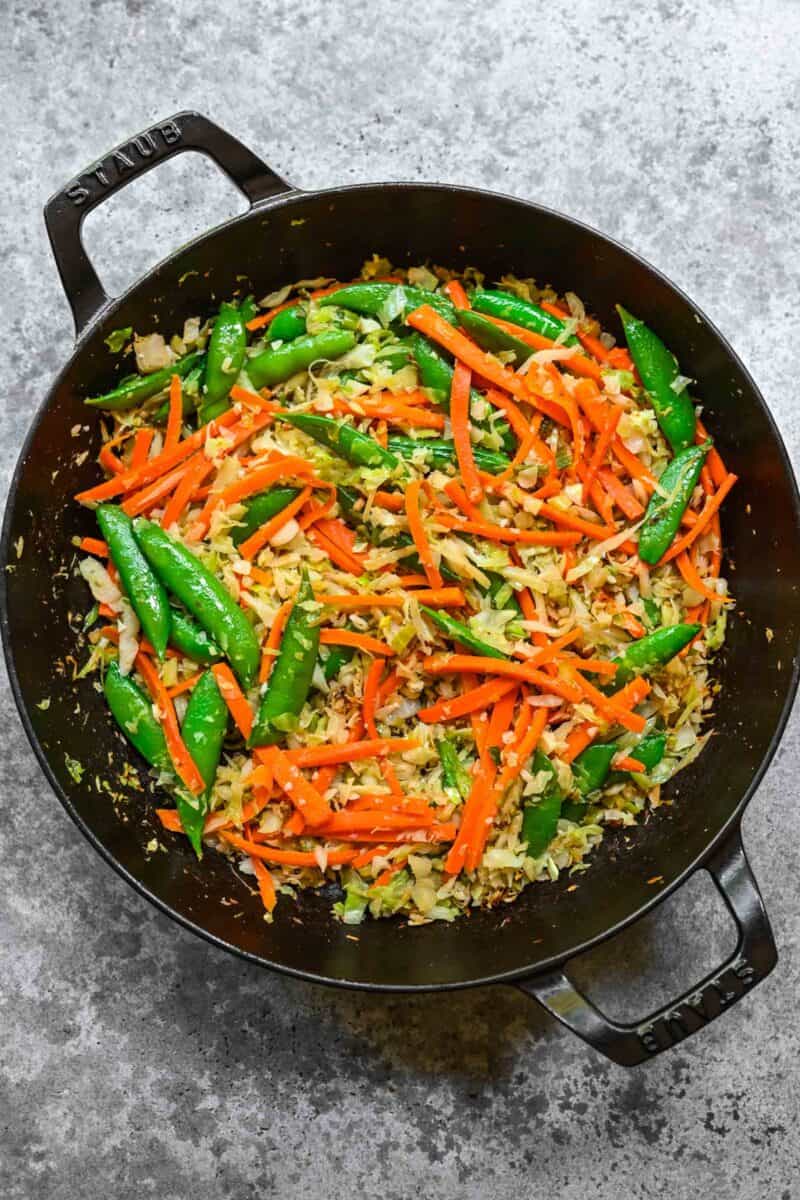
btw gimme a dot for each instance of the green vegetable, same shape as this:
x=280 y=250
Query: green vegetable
x=142 y=586
x=461 y=633
x=678 y=480
x=133 y=712
x=520 y=312
x=659 y=373
x=259 y=509
x=288 y=325
x=440 y=453
x=649 y=751
x=75 y=767
x=540 y=819
x=271 y=367
x=491 y=337
x=379 y=299
x=502 y=595
x=346 y=441
x=203 y=732
x=138 y=388
x=337 y=657
x=652 y=613
x=436 y=374
x=590 y=769
x=290 y=678
x=652 y=651
x=204 y=596
x=193 y=641
x=117 y=338
x=455 y=776
x=224 y=360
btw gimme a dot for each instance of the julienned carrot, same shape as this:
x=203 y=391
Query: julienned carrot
x=447 y=597
x=605 y=705
x=420 y=538
x=446 y=664
x=361 y=641
x=625 y=763
x=271 y=645
x=335 y=530
x=568 y=404
x=690 y=573
x=475 y=700
x=711 y=506
x=555 y=310
x=281 y=467
x=141 y=446
x=516 y=420
x=482 y=784
x=234 y=698
x=182 y=760
x=94 y=546
x=464 y=350
x=518 y=753
x=501 y=533
x=716 y=466
x=386 y=802
x=462 y=435
x=371 y=681
x=251 y=546
x=602 y=445
x=456 y=493
x=500 y=720
x=391 y=500
x=373 y=820
x=175 y=414
x=578 y=363
x=328 y=756
x=430 y=834
x=266 y=318
x=198 y=468
x=627 y=697
x=551 y=650
x=631 y=463
x=455 y=290
x=303 y=795
x=266 y=887
x=289 y=858
x=559 y=517
x=597 y=493
x=578 y=740
x=396 y=412
x=185 y=686
x=622 y=496
x=109 y=461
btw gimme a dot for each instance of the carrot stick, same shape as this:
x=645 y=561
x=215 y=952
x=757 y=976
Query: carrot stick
x=333 y=755
x=251 y=546
x=454 y=490
x=396 y=413
x=110 y=462
x=417 y=531
x=387 y=688
x=716 y=466
x=456 y=860
x=270 y=648
x=519 y=752
x=465 y=351
x=391 y=500
x=373 y=820
x=601 y=448
x=689 y=572
x=498 y=533
x=455 y=290
x=476 y=700
x=361 y=641
x=182 y=760
x=254 y=481
x=710 y=508
x=605 y=705
x=175 y=416
x=622 y=496
x=234 y=698
x=462 y=436
x=446 y=664
x=288 y=858
x=590 y=528
x=446 y=597
x=94 y=546
x=625 y=763
x=303 y=795
x=432 y=834
x=195 y=473
x=141 y=447
x=254 y=399
x=266 y=887
x=577 y=362
x=185 y=686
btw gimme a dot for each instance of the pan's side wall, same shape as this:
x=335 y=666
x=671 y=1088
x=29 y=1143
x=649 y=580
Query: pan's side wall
x=331 y=234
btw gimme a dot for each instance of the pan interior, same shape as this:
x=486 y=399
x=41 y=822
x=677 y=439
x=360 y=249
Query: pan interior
x=331 y=233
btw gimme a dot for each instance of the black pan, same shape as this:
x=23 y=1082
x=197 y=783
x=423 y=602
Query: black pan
x=288 y=234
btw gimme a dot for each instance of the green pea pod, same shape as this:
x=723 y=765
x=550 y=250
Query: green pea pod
x=441 y=453
x=144 y=590
x=652 y=651
x=193 y=641
x=574 y=810
x=649 y=751
x=249 y=309
x=290 y=678
x=374 y=299
x=590 y=769
x=455 y=776
x=490 y=337
x=133 y=712
x=346 y=441
x=205 y=597
x=520 y=312
x=271 y=367
x=540 y=819
x=224 y=359
x=138 y=388
x=461 y=633
x=260 y=509
x=203 y=732
x=658 y=371
x=190 y=394
x=288 y=325
x=338 y=656
x=677 y=481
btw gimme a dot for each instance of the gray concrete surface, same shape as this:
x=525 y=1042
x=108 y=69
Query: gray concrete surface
x=134 y=1060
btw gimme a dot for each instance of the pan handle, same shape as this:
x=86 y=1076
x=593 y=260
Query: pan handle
x=752 y=960
x=65 y=211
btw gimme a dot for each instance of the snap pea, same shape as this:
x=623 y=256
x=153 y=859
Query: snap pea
x=590 y=769
x=520 y=312
x=441 y=453
x=490 y=337
x=205 y=597
x=436 y=373
x=455 y=776
x=356 y=447
x=144 y=590
x=203 y=732
x=678 y=480
x=290 y=678
x=658 y=371
x=461 y=633
x=224 y=358
x=338 y=656
x=190 y=393
x=288 y=325
x=271 y=367
x=138 y=388
x=369 y=299
x=259 y=509
x=133 y=712
x=193 y=641
x=652 y=651
x=540 y=819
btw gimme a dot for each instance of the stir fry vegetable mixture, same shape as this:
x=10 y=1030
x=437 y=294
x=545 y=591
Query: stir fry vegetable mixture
x=407 y=582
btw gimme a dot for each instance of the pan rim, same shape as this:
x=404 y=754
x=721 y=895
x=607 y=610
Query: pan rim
x=289 y=198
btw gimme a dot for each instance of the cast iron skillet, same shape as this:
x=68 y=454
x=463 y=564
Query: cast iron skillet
x=288 y=234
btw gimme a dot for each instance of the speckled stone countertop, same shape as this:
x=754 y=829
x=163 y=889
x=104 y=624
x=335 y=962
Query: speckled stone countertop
x=135 y=1060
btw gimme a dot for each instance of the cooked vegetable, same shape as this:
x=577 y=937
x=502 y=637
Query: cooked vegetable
x=290 y=680
x=133 y=712
x=138 y=388
x=144 y=590
x=271 y=367
x=540 y=818
x=668 y=505
x=652 y=651
x=521 y=312
x=373 y=299
x=344 y=439
x=661 y=377
x=203 y=732
x=224 y=359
